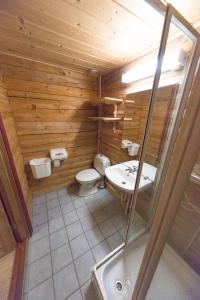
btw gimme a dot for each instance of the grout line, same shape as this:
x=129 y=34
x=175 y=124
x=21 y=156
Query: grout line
x=90 y=249
x=74 y=292
x=79 y=220
x=69 y=241
x=71 y=255
x=35 y=286
x=28 y=266
x=51 y=256
x=191 y=241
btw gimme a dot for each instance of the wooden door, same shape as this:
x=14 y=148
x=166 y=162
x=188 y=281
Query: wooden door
x=15 y=225
x=7 y=241
x=11 y=193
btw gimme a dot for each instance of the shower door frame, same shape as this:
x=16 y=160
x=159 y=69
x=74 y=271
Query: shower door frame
x=169 y=184
x=182 y=161
x=169 y=12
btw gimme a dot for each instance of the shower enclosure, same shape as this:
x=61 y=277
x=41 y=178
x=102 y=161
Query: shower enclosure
x=128 y=271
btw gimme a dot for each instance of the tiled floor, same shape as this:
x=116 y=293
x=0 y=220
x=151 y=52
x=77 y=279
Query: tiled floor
x=70 y=235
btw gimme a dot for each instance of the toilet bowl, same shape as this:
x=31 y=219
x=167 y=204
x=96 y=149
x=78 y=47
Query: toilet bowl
x=90 y=179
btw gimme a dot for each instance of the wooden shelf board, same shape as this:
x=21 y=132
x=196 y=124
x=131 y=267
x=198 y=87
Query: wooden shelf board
x=107 y=100
x=128 y=119
x=105 y=119
x=129 y=101
x=109 y=119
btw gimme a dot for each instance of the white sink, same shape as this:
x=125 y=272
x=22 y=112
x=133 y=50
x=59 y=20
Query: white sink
x=121 y=177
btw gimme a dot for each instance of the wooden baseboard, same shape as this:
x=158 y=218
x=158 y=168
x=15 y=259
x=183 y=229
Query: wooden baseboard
x=16 y=286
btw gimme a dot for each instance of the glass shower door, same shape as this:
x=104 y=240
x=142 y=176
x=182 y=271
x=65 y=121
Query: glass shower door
x=177 y=60
x=178 y=270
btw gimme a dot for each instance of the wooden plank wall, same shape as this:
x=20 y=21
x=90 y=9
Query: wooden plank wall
x=50 y=106
x=139 y=110
x=133 y=130
x=9 y=124
x=111 y=134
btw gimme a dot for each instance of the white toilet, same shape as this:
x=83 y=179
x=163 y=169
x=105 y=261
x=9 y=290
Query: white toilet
x=90 y=179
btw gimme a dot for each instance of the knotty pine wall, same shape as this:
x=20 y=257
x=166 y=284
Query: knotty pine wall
x=50 y=106
x=133 y=130
x=9 y=124
x=162 y=113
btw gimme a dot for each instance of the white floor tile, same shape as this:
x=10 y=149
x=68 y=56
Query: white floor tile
x=83 y=267
x=76 y=296
x=38 y=249
x=39 y=271
x=65 y=282
x=101 y=250
x=70 y=218
x=107 y=228
x=43 y=291
x=61 y=257
x=74 y=230
x=79 y=246
x=58 y=239
x=56 y=224
x=94 y=236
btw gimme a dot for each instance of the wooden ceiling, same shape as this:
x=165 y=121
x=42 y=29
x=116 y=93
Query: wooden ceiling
x=83 y=34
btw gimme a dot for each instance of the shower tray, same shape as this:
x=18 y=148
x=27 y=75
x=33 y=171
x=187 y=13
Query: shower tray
x=115 y=276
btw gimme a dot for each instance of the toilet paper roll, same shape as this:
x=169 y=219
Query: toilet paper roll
x=56 y=163
x=133 y=149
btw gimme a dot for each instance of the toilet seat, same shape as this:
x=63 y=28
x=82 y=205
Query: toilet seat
x=88 y=175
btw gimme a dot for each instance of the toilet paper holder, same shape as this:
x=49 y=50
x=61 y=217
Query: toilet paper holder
x=132 y=148
x=57 y=155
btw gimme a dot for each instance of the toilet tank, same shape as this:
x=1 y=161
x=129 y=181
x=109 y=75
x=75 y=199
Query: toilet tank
x=101 y=162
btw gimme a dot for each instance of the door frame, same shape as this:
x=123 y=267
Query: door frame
x=16 y=286
x=16 y=186
x=20 y=236
x=180 y=157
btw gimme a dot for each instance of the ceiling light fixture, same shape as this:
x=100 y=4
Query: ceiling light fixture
x=172 y=61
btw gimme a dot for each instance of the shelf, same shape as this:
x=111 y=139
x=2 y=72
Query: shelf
x=109 y=119
x=105 y=119
x=129 y=101
x=107 y=100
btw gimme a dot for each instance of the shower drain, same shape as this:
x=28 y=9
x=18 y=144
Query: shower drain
x=119 y=286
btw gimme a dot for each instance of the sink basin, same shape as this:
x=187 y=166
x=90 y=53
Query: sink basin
x=119 y=176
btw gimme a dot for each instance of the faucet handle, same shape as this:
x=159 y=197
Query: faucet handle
x=128 y=169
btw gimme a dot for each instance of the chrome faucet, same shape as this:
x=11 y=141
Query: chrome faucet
x=131 y=170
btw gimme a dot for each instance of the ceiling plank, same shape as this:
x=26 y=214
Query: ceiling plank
x=35 y=31
x=12 y=45
x=24 y=12
x=104 y=35
x=63 y=52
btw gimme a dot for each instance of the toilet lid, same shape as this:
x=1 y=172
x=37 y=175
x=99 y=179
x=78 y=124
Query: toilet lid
x=88 y=175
